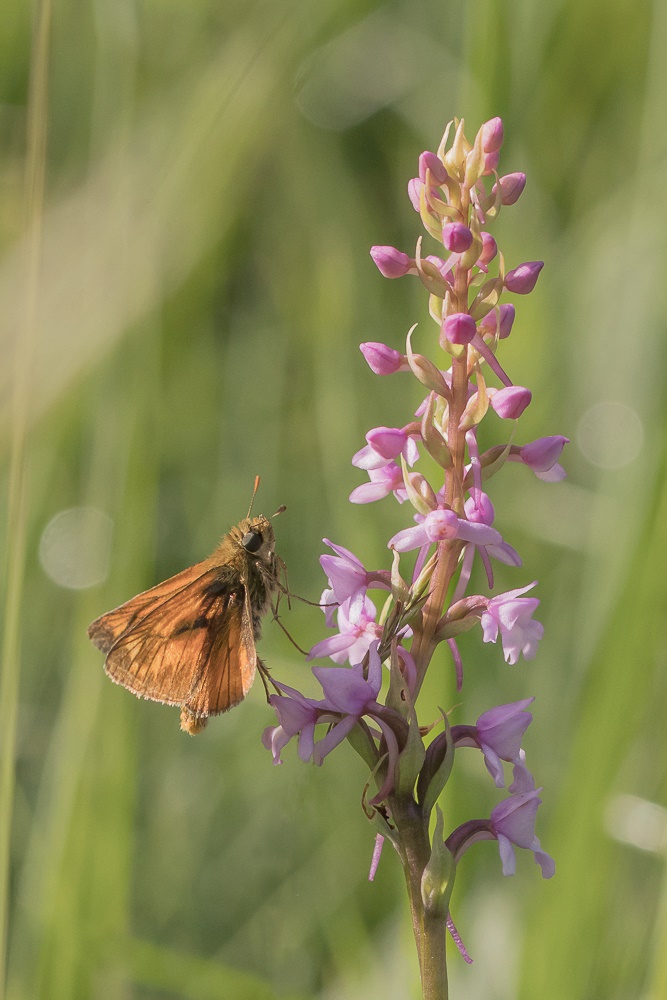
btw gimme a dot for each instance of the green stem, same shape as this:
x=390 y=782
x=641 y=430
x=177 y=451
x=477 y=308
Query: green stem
x=433 y=959
x=16 y=514
x=430 y=930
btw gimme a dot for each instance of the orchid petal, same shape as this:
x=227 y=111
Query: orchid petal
x=335 y=736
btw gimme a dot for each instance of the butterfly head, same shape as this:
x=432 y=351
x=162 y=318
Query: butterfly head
x=256 y=536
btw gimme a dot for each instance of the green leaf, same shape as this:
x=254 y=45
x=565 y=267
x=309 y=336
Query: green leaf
x=439 y=874
x=437 y=768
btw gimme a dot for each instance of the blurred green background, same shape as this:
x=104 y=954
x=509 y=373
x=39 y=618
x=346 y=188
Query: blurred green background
x=216 y=172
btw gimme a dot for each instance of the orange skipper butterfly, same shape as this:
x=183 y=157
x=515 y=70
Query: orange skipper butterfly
x=190 y=641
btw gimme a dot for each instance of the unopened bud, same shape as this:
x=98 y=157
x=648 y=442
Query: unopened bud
x=414 y=191
x=459 y=328
x=480 y=509
x=507 y=314
x=492 y=135
x=499 y=321
x=383 y=360
x=429 y=161
x=391 y=262
x=456 y=237
x=510 y=402
x=489 y=249
x=542 y=454
x=491 y=162
x=523 y=278
x=511 y=187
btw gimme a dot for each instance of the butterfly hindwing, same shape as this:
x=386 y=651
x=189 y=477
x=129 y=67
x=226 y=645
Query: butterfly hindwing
x=231 y=665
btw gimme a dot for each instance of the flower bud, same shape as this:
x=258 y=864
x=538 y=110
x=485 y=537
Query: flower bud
x=511 y=186
x=492 y=135
x=391 y=262
x=507 y=314
x=542 y=454
x=498 y=321
x=489 y=249
x=459 y=328
x=414 y=191
x=491 y=162
x=510 y=402
x=383 y=360
x=429 y=161
x=456 y=237
x=523 y=278
x=480 y=509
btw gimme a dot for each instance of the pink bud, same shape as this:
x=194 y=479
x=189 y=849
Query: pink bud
x=414 y=191
x=491 y=161
x=391 y=262
x=459 y=328
x=492 y=135
x=383 y=360
x=429 y=161
x=499 y=320
x=489 y=249
x=523 y=278
x=511 y=186
x=542 y=454
x=456 y=237
x=480 y=509
x=507 y=314
x=510 y=402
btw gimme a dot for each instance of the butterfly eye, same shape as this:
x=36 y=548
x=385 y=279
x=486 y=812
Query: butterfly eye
x=251 y=541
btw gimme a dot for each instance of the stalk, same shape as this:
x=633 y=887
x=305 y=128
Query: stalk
x=429 y=928
x=16 y=513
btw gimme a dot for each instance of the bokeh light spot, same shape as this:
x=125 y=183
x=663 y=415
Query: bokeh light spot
x=75 y=547
x=610 y=435
x=636 y=821
x=357 y=73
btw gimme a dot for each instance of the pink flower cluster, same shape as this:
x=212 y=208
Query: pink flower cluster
x=458 y=193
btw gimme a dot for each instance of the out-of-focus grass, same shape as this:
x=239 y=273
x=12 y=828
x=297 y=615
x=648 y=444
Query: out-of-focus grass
x=216 y=173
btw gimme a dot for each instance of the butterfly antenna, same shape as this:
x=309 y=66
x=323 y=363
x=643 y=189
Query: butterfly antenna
x=252 y=498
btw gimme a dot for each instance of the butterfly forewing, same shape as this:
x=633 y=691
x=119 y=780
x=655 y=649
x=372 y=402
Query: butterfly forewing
x=105 y=630
x=163 y=655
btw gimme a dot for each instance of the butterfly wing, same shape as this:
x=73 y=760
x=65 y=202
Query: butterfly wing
x=107 y=629
x=231 y=663
x=163 y=655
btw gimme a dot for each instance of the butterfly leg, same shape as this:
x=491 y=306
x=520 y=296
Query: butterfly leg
x=283 y=588
x=276 y=619
x=267 y=679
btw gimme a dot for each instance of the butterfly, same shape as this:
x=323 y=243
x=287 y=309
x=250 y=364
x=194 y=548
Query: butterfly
x=190 y=641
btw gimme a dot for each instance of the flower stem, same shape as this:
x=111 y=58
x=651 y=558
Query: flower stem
x=423 y=645
x=433 y=958
x=430 y=929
